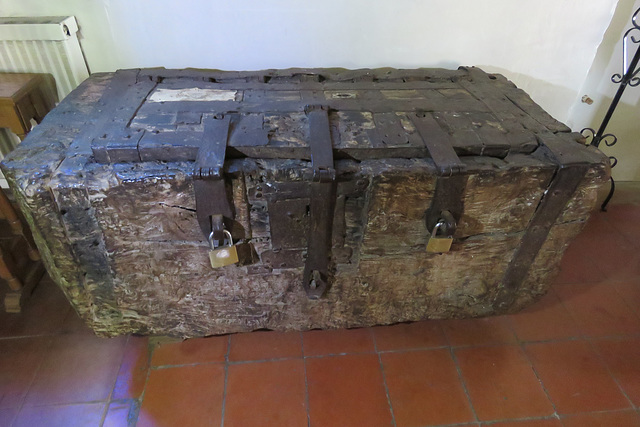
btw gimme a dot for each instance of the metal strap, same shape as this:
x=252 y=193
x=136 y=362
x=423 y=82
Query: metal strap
x=320 y=144
x=562 y=187
x=212 y=203
x=323 y=196
x=448 y=197
x=573 y=163
x=450 y=183
x=439 y=144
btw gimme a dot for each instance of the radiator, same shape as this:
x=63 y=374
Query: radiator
x=41 y=45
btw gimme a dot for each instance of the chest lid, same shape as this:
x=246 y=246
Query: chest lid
x=162 y=115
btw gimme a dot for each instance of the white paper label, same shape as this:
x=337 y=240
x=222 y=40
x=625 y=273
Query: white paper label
x=192 y=94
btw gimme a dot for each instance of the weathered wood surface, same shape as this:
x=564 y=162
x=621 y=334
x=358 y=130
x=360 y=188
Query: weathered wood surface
x=123 y=242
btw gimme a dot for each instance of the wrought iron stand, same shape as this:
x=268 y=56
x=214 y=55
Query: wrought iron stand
x=629 y=77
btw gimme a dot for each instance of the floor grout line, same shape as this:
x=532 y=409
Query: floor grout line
x=384 y=377
x=47 y=351
x=460 y=377
x=306 y=383
x=186 y=365
x=627 y=303
x=226 y=380
x=464 y=384
x=600 y=412
x=613 y=377
x=521 y=345
x=83 y=402
x=518 y=342
x=20 y=337
x=510 y=420
x=146 y=382
x=462 y=424
x=115 y=381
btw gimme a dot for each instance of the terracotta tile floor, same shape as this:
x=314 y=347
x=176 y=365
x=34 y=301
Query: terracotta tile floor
x=572 y=359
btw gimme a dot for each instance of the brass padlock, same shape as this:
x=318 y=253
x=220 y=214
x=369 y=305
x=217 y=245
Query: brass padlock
x=439 y=244
x=224 y=255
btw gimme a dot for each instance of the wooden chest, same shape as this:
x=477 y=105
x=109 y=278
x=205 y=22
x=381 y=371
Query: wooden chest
x=331 y=185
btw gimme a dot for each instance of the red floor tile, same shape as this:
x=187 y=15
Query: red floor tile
x=629 y=291
x=501 y=383
x=546 y=320
x=274 y=392
x=603 y=419
x=425 y=389
x=320 y=343
x=119 y=414
x=133 y=369
x=194 y=350
x=74 y=324
x=347 y=391
x=625 y=219
x=577 y=266
x=549 y=422
x=406 y=336
x=488 y=330
x=602 y=246
x=621 y=263
x=598 y=310
x=265 y=345
x=72 y=360
x=20 y=358
x=575 y=378
x=597 y=225
x=623 y=359
x=83 y=415
x=609 y=250
x=183 y=396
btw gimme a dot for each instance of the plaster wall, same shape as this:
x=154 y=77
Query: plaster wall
x=625 y=123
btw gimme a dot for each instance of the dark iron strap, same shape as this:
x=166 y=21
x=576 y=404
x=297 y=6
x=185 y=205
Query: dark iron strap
x=571 y=170
x=316 y=276
x=447 y=204
x=562 y=187
x=212 y=203
x=320 y=144
x=439 y=144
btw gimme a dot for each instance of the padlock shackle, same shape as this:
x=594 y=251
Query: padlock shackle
x=438 y=225
x=228 y=238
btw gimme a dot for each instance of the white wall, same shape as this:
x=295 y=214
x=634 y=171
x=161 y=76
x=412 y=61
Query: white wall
x=547 y=47
x=625 y=123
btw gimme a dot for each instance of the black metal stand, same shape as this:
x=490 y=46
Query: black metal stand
x=628 y=78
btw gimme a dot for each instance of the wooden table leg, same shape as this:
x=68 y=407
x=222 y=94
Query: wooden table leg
x=14 y=300
x=16 y=225
x=13 y=297
x=7 y=267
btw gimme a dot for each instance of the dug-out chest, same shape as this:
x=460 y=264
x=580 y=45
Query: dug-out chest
x=195 y=202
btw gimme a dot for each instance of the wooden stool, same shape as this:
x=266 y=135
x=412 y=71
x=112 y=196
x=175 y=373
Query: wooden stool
x=23 y=97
